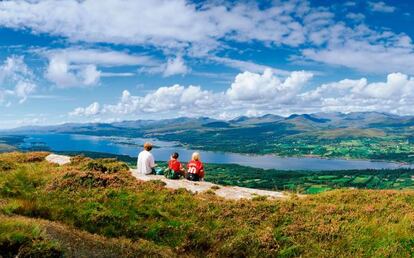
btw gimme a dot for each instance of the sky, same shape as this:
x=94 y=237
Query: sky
x=112 y=60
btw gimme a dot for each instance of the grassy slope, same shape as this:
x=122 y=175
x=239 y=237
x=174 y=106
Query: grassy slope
x=53 y=207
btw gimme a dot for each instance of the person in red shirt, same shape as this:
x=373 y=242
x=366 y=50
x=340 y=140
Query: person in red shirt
x=195 y=168
x=175 y=166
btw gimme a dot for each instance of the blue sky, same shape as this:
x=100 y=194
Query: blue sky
x=110 y=60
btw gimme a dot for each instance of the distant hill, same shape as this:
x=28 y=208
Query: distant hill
x=360 y=135
x=337 y=120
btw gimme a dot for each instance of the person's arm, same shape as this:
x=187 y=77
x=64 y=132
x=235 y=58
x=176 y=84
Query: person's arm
x=202 y=171
x=152 y=162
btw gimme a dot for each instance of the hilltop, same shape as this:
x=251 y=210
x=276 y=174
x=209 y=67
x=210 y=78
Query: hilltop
x=95 y=208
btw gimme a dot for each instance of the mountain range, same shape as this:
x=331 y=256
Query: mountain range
x=302 y=122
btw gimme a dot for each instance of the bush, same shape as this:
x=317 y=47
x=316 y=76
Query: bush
x=6 y=166
x=78 y=179
x=107 y=166
x=20 y=157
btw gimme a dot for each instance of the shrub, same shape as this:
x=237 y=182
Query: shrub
x=107 y=166
x=6 y=166
x=78 y=179
x=28 y=157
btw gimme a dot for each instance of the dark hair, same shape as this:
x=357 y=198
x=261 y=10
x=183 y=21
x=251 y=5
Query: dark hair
x=175 y=155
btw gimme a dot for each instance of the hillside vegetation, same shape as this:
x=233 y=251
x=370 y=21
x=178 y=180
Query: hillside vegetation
x=95 y=208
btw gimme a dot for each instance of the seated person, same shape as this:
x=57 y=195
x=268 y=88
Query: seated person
x=145 y=162
x=195 y=169
x=175 y=169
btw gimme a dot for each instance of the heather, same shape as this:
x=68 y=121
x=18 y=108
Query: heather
x=45 y=209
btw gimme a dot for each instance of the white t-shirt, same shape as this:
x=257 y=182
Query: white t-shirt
x=145 y=162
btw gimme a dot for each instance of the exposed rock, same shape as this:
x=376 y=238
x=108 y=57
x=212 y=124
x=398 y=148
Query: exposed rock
x=227 y=192
x=58 y=159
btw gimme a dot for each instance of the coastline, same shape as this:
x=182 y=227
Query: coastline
x=172 y=144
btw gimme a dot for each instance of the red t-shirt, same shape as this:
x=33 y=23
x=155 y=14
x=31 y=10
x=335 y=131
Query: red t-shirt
x=196 y=167
x=174 y=165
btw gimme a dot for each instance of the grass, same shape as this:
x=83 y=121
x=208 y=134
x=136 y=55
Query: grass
x=23 y=239
x=101 y=210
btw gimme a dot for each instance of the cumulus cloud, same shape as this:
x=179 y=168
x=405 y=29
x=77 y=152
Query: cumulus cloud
x=91 y=110
x=247 y=91
x=253 y=93
x=16 y=80
x=381 y=7
x=175 y=99
x=175 y=66
x=58 y=72
x=255 y=87
x=395 y=95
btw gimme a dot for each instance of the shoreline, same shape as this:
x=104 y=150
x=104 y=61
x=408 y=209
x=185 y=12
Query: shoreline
x=399 y=164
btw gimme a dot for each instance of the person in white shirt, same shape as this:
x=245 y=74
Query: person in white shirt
x=145 y=163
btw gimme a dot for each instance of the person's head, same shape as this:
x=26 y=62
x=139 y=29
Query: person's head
x=148 y=146
x=195 y=156
x=174 y=155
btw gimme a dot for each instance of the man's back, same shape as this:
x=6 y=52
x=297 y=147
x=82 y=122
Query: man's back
x=145 y=162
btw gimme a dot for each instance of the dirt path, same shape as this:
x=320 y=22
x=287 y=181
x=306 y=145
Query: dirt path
x=227 y=192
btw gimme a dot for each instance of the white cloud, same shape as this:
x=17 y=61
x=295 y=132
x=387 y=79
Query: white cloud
x=90 y=75
x=175 y=66
x=102 y=57
x=252 y=93
x=365 y=50
x=203 y=28
x=91 y=110
x=23 y=89
x=356 y=17
x=175 y=99
x=246 y=65
x=16 y=80
x=254 y=87
x=381 y=7
x=58 y=72
x=75 y=67
x=395 y=95
x=156 y=23
x=349 y=4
